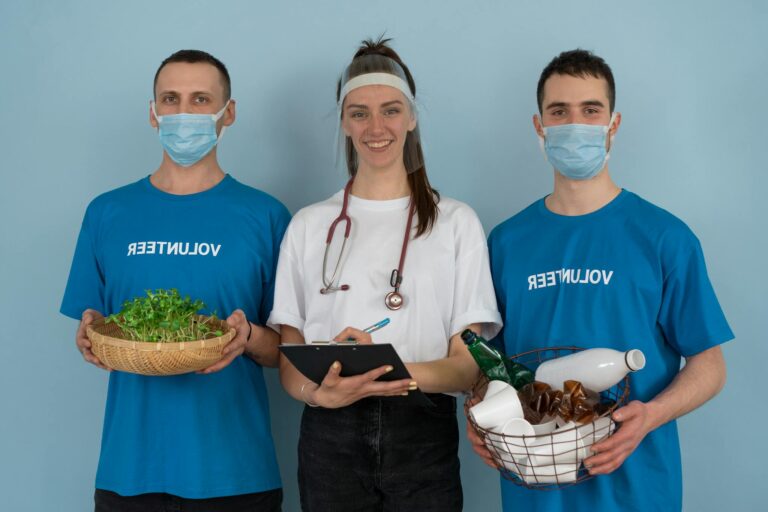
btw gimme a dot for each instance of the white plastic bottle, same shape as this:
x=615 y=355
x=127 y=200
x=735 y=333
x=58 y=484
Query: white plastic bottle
x=596 y=368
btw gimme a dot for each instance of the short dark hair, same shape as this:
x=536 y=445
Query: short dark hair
x=193 y=57
x=579 y=63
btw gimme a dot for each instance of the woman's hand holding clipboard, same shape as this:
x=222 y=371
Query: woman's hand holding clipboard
x=337 y=391
x=351 y=368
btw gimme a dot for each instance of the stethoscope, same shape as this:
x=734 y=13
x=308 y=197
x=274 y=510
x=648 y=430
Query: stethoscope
x=394 y=299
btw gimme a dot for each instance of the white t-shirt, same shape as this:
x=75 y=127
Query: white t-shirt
x=446 y=276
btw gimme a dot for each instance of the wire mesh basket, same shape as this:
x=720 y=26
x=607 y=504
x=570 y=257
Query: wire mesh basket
x=110 y=345
x=552 y=457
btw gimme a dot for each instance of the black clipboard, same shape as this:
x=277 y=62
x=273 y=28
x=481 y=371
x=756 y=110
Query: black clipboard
x=314 y=359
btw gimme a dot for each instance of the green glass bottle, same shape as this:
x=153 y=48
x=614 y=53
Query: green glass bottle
x=490 y=361
x=495 y=365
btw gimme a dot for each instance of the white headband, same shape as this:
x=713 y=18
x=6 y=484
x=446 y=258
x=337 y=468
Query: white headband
x=376 y=79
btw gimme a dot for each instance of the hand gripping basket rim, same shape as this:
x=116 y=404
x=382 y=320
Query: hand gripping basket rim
x=154 y=358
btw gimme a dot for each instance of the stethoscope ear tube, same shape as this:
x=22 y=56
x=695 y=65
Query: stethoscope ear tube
x=328 y=284
x=393 y=300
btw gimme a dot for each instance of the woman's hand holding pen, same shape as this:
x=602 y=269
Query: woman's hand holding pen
x=337 y=391
x=361 y=336
x=351 y=334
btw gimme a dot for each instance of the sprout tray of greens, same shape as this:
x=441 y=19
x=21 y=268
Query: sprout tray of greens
x=165 y=316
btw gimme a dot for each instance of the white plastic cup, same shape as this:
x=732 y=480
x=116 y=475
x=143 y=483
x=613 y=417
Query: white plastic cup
x=495 y=443
x=563 y=446
x=559 y=473
x=518 y=427
x=519 y=434
x=494 y=387
x=497 y=409
x=506 y=454
x=545 y=427
x=517 y=465
x=596 y=431
x=509 y=441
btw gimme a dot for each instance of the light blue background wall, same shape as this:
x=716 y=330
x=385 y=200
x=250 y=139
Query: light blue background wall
x=75 y=79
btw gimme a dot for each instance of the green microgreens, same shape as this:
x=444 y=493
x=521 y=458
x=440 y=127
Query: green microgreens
x=164 y=316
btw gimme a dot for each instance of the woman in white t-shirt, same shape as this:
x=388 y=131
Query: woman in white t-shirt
x=359 y=448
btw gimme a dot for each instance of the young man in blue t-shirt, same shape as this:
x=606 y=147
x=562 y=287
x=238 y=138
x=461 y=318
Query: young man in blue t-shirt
x=199 y=441
x=593 y=265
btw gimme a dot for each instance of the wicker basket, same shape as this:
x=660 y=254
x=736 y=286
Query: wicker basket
x=516 y=457
x=108 y=343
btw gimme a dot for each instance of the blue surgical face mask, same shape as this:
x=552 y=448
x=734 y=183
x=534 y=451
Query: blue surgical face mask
x=187 y=138
x=577 y=151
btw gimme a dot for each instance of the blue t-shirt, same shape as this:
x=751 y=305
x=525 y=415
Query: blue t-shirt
x=196 y=436
x=629 y=275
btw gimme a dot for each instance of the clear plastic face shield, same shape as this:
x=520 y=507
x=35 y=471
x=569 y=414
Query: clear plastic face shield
x=376 y=70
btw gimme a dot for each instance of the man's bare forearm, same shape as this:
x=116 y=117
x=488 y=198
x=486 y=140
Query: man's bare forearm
x=262 y=347
x=702 y=377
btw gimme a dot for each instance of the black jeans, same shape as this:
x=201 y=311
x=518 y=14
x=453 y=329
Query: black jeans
x=380 y=455
x=108 y=501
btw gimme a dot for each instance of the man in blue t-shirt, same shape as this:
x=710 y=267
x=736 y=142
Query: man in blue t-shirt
x=198 y=441
x=593 y=265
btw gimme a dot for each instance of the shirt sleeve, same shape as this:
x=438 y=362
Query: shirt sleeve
x=85 y=286
x=498 y=341
x=690 y=315
x=289 y=308
x=279 y=225
x=474 y=301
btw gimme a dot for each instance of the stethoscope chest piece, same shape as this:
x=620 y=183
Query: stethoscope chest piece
x=393 y=301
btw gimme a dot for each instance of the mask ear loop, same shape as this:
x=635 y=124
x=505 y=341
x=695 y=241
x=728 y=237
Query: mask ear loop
x=541 y=139
x=216 y=118
x=154 y=112
x=610 y=138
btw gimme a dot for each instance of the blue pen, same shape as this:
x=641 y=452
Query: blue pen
x=376 y=326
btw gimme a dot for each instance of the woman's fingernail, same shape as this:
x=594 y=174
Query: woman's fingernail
x=335 y=365
x=389 y=368
x=413 y=386
x=404 y=394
